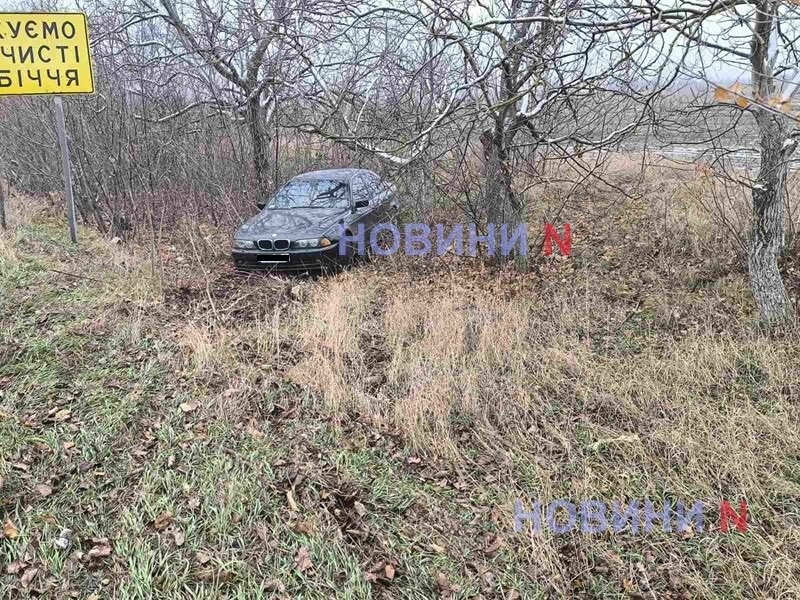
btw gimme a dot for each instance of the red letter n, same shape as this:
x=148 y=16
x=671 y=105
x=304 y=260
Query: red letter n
x=726 y=513
x=551 y=234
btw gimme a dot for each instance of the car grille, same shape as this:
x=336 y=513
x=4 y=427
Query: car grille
x=273 y=245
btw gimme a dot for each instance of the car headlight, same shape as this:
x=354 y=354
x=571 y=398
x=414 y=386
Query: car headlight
x=307 y=243
x=244 y=244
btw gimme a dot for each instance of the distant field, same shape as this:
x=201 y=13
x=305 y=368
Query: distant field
x=365 y=435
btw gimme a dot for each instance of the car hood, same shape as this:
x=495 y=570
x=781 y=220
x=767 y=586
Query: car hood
x=292 y=223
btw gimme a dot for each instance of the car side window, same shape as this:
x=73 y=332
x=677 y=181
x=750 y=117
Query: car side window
x=376 y=189
x=360 y=191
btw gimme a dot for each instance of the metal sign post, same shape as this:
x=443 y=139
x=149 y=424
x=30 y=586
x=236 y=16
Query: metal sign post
x=47 y=53
x=62 y=141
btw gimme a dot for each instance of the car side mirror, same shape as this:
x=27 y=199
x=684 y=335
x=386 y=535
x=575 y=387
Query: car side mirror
x=361 y=204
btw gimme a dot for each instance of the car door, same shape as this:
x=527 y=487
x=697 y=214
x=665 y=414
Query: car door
x=383 y=198
x=362 y=190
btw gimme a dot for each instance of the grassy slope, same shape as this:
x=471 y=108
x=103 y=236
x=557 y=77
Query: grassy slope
x=305 y=436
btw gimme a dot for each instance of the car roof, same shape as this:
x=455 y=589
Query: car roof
x=333 y=175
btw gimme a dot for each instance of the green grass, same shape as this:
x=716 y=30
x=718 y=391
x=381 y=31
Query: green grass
x=131 y=454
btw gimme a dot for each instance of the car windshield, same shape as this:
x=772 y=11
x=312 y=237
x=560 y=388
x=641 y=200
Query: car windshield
x=312 y=194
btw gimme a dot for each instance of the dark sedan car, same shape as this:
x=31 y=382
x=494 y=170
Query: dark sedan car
x=299 y=228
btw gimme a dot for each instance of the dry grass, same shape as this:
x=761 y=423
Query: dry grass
x=626 y=374
x=331 y=334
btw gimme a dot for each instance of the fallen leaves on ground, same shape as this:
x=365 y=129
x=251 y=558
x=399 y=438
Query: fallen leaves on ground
x=44 y=490
x=188 y=407
x=178 y=535
x=15 y=567
x=163 y=520
x=28 y=576
x=306 y=527
x=302 y=561
x=100 y=550
x=10 y=530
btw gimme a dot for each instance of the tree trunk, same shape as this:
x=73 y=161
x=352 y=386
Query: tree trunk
x=502 y=205
x=260 y=138
x=766 y=242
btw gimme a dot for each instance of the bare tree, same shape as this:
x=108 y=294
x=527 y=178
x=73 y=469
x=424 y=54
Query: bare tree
x=777 y=145
x=521 y=79
x=753 y=41
x=242 y=45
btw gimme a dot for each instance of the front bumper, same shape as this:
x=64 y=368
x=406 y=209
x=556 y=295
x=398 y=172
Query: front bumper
x=290 y=260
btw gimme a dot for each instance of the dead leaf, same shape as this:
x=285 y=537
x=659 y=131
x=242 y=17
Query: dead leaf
x=360 y=509
x=444 y=584
x=68 y=445
x=389 y=571
x=15 y=567
x=63 y=415
x=292 y=503
x=262 y=532
x=44 y=490
x=306 y=527
x=100 y=551
x=742 y=102
x=303 y=559
x=21 y=466
x=188 y=407
x=494 y=546
x=28 y=576
x=273 y=585
x=251 y=430
x=722 y=95
x=10 y=530
x=180 y=537
x=436 y=548
x=205 y=574
x=201 y=557
x=193 y=503
x=163 y=520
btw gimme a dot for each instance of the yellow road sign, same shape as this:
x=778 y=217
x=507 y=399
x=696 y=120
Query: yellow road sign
x=44 y=53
